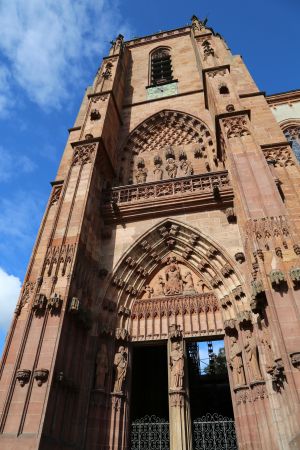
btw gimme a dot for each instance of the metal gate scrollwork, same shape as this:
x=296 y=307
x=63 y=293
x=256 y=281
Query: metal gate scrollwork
x=214 y=432
x=150 y=433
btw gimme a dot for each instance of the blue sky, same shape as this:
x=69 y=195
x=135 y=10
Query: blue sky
x=51 y=50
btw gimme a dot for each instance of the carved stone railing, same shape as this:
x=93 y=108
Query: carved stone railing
x=209 y=183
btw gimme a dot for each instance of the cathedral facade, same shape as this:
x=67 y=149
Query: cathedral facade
x=174 y=218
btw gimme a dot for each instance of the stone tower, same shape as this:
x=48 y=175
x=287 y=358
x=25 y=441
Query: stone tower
x=174 y=215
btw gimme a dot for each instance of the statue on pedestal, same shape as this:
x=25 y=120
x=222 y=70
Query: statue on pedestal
x=236 y=363
x=120 y=364
x=177 y=366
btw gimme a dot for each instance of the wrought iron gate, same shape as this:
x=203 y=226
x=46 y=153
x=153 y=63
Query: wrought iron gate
x=150 y=433
x=214 y=432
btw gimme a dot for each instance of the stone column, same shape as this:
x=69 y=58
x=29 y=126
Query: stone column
x=179 y=406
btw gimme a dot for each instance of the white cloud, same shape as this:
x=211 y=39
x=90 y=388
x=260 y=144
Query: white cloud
x=9 y=292
x=12 y=164
x=49 y=43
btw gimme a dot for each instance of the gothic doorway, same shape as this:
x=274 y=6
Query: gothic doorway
x=149 y=398
x=211 y=408
x=173 y=287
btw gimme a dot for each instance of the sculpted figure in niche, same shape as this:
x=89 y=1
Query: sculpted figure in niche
x=101 y=367
x=252 y=356
x=266 y=342
x=188 y=282
x=159 y=288
x=120 y=365
x=141 y=174
x=236 y=362
x=174 y=284
x=158 y=172
x=177 y=366
x=186 y=167
x=149 y=291
x=171 y=167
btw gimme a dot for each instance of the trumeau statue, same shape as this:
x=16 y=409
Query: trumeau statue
x=176 y=366
x=252 y=356
x=120 y=364
x=174 y=283
x=236 y=363
x=101 y=367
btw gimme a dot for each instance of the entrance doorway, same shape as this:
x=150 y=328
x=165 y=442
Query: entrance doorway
x=149 y=405
x=210 y=397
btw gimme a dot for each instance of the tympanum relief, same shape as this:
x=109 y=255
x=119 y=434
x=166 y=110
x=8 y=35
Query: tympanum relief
x=176 y=295
x=175 y=279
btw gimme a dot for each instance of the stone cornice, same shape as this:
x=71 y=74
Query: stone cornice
x=283 y=97
x=158 y=36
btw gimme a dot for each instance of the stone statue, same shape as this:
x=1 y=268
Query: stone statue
x=141 y=174
x=236 y=363
x=186 y=167
x=252 y=356
x=159 y=287
x=149 y=290
x=120 y=364
x=189 y=282
x=171 y=167
x=269 y=356
x=158 y=172
x=101 y=367
x=177 y=366
x=174 y=284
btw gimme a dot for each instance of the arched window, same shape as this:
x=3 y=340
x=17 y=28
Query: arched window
x=161 y=66
x=292 y=134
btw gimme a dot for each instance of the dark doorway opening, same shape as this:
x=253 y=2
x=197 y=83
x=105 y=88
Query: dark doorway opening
x=208 y=379
x=149 y=395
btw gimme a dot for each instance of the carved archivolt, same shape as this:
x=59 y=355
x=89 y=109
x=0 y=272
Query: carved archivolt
x=171 y=288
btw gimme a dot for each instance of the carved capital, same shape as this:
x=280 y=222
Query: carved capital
x=242 y=395
x=258 y=390
x=41 y=376
x=39 y=302
x=54 y=302
x=122 y=334
x=295 y=359
x=23 y=376
x=177 y=398
x=239 y=257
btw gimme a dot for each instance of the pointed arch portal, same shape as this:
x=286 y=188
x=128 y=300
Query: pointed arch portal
x=175 y=285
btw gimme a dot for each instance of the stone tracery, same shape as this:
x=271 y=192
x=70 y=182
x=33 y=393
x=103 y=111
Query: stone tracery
x=172 y=143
